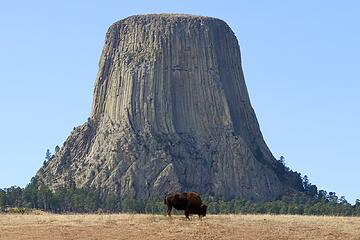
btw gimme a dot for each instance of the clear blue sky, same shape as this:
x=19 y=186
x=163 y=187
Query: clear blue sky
x=301 y=61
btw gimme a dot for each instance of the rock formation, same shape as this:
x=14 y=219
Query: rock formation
x=170 y=112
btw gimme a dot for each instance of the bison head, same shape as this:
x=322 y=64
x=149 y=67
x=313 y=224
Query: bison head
x=203 y=210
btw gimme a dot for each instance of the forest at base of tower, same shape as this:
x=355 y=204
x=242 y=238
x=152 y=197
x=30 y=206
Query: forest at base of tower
x=65 y=200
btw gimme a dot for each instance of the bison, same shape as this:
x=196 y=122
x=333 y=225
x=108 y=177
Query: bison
x=188 y=201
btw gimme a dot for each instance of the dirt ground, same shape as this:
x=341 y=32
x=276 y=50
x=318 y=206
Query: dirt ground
x=140 y=227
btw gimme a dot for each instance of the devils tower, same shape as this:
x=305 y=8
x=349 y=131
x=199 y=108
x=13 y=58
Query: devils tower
x=170 y=112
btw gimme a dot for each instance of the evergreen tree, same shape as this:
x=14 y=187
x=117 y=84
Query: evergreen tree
x=342 y=200
x=2 y=200
x=312 y=190
x=213 y=207
x=306 y=183
x=331 y=197
x=274 y=207
x=282 y=160
x=47 y=155
x=357 y=207
x=30 y=196
x=322 y=195
x=57 y=148
x=91 y=202
x=14 y=196
x=112 y=203
x=44 y=197
x=238 y=205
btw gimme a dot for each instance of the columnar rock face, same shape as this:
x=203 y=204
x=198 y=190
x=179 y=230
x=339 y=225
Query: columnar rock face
x=170 y=112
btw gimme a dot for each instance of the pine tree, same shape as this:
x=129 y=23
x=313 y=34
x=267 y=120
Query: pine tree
x=47 y=155
x=2 y=200
x=306 y=183
x=44 y=197
x=57 y=148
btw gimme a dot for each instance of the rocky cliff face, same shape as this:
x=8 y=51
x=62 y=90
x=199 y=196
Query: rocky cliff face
x=170 y=112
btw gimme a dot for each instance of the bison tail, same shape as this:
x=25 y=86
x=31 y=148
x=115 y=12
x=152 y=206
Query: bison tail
x=165 y=202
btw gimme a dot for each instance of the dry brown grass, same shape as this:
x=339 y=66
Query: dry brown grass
x=136 y=226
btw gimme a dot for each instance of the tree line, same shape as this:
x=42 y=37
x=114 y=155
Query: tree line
x=70 y=199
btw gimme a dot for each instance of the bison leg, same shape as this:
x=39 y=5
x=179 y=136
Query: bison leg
x=187 y=213
x=169 y=210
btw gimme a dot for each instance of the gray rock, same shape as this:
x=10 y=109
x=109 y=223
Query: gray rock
x=170 y=112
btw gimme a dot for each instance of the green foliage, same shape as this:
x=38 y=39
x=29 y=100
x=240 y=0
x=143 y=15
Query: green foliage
x=2 y=200
x=57 y=148
x=357 y=207
x=14 y=196
x=47 y=155
x=130 y=205
x=71 y=199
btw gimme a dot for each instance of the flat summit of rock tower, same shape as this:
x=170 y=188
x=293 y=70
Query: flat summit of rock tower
x=170 y=112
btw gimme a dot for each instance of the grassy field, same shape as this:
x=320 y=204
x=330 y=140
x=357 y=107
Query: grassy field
x=140 y=227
